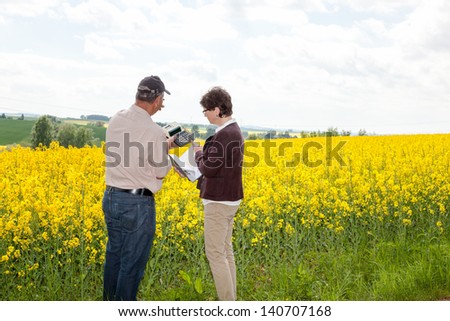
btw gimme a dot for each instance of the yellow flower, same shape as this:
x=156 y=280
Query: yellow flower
x=289 y=229
x=33 y=267
x=74 y=242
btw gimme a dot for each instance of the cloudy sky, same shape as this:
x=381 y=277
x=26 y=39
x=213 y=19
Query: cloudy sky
x=382 y=66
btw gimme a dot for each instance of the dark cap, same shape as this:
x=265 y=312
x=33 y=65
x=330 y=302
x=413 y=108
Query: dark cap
x=150 y=87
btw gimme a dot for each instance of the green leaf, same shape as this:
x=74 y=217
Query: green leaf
x=183 y=275
x=198 y=286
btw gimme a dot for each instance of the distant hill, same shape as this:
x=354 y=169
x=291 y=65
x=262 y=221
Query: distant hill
x=13 y=131
x=97 y=117
x=18 y=115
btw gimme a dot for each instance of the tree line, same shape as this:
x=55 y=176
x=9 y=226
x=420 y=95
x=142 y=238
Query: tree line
x=48 y=129
x=3 y=116
x=273 y=134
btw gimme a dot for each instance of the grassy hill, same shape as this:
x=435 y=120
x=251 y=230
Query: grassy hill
x=13 y=131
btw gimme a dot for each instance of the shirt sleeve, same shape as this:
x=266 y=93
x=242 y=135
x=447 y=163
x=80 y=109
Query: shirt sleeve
x=158 y=156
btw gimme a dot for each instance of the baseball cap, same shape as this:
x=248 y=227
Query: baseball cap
x=150 y=87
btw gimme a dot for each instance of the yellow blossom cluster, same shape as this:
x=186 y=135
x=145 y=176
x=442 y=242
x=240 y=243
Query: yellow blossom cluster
x=341 y=184
x=50 y=209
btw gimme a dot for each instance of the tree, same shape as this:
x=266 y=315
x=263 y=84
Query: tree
x=304 y=134
x=332 y=131
x=42 y=131
x=3 y=115
x=76 y=136
x=84 y=136
x=210 y=131
x=195 y=131
x=270 y=134
x=67 y=135
x=22 y=117
x=362 y=132
x=285 y=135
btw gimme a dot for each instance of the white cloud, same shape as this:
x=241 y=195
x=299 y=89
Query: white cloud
x=201 y=24
x=387 y=65
x=101 y=47
x=379 y=6
x=363 y=72
x=28 y=8
x=237 y=7
x=98 y=13
x=278 y=15
x=168 y=19
x=75 y=87
x=426 y=26
x=140 y=25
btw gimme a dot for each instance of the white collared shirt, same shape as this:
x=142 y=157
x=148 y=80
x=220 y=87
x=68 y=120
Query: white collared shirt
x=229 y=122
x=136 y=154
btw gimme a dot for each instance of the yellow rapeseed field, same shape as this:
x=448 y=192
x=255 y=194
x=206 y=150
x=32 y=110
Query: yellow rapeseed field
x=51 y=217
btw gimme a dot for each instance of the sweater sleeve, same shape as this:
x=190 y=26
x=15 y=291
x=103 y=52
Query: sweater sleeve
x=211 y=159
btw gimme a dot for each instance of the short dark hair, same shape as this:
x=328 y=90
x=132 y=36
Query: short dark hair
x=218 y=97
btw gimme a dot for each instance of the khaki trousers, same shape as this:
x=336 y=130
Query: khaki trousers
x=218 y=229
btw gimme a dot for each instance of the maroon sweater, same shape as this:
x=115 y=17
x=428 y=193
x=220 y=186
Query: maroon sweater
x=220 y=162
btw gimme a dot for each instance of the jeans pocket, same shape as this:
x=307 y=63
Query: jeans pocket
x=112 y=218
x=132 y=216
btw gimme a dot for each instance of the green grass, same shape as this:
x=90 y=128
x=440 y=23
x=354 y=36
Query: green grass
x=387 y=271
x=13 y=131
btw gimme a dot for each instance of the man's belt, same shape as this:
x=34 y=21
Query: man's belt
x=136 y=191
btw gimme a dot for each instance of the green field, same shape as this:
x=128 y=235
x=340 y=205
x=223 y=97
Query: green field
x=13 y=131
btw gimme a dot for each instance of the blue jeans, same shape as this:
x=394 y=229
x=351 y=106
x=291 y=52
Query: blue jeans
x=131 y=223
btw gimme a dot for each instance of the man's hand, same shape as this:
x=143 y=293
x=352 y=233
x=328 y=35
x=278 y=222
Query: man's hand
x=171 y=143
